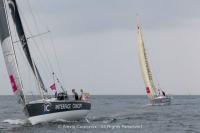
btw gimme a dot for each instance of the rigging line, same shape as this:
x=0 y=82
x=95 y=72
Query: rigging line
x=34 y=67
x=37 y=75
x=34 y=50
x=36 y=44
x=42 y=66
x=58 y=81
x=33 y=36
x=36 y=25
x=35 y=78
x=25 y=62
x=52 y=42
x=40 y=53
x=56 y=57
x=33 y=39
x=38 y=83
x=57 y=62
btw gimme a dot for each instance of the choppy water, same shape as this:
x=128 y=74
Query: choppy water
x=109 y=114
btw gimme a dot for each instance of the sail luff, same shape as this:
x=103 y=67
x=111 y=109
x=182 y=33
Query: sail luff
x=22 y=36
x=38 y=83
x=144 y=64
x=9 y=55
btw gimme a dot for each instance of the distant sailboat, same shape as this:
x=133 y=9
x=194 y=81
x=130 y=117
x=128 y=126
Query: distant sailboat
x=45 y=109
x=155 y=94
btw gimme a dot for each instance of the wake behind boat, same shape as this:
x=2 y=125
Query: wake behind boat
x=47 y=108
x=155 y=94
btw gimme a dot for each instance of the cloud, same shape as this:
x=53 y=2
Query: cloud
x=96 y=43
x=78 y=17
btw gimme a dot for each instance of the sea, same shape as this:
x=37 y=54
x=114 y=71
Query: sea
x=112 y=114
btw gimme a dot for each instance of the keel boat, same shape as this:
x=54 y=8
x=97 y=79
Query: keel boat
x=156 y=95
x=45 y=109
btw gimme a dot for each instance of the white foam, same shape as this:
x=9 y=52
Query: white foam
x=16 y=122
x=64 y=121
x=60 y=120
x=149 y=104
x=86 y=119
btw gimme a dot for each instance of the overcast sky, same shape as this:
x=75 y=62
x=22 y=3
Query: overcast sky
x=96 y=43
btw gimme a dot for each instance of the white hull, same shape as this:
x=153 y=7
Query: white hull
x=161 y=100
x=67 y=115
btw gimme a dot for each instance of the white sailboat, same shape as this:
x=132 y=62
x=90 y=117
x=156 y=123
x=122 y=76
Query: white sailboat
x=45 y=109
x=156 y=95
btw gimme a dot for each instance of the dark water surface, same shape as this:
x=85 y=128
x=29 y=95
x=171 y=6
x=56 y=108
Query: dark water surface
x=118 y=114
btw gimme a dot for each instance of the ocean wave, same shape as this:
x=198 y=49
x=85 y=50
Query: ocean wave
x=16 y=121
x=58 y=121
x=105 y=120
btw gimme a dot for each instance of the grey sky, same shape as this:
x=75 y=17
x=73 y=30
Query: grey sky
x=96 y=43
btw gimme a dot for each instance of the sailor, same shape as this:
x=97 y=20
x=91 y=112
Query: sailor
x=82 y=97
x=163 y=93
x=66 y=95
x=75 y=94
x=56 y=94
x=158 y=92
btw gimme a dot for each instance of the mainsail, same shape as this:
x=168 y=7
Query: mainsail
x=9 y=55
x=20 y=31
x=144 y=64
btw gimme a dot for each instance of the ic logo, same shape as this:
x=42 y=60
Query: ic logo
x=47 y=107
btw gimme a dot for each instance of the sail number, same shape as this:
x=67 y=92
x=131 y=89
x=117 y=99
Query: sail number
x=68 y=106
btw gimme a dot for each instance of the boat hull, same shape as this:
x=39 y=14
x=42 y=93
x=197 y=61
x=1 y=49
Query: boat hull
x=161 y=100
x=67 y=115
x=47 y=111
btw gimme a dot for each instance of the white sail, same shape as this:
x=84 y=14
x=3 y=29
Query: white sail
x=12 y=4
x=9 y=55
x=144 y=64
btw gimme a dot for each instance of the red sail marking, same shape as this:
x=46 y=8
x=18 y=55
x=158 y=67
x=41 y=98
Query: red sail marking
x=12 y=80
x=147 y=89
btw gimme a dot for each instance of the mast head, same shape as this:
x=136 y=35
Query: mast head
x=138 y=21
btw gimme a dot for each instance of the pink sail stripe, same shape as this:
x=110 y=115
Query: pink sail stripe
x=147 y=89
x=13 y=83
